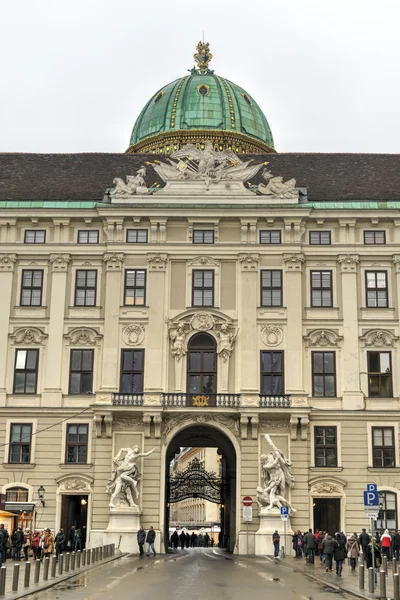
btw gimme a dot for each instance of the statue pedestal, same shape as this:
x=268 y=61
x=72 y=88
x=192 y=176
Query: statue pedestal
x=124 y=523
x=270 y=521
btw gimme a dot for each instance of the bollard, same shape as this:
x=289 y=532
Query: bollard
x=97 y=554
x=53 y=565
x=83 y=558
x=27 y=575
x=101 y=552
x=73 y=556
x=61 y=564
x=15 y=578
x=78 y=559
x=396 y=587
x=371 y=583
x=382 y=584
x=394 y=565
x=37 y=571
x=67 y=558
x=46 y=565
x=3 y=573
x=361 y=558
x=385 y=564
x=88 y=556
x=93 y=555
x=361 y=577
x=106 y=551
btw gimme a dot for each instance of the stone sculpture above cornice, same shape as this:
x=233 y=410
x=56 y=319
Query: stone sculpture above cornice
x=7 y=262
x=379 y=338
x=59 y=262
x=83 y=336
x=28 y=336
x=322 y=338
x=113 y=261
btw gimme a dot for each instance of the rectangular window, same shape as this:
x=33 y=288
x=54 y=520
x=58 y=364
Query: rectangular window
x=88 y=236
x=135 y=287
x=203 y=236
x=132 y=367
x=203 y=288
x=376 y=289
x=271 y=288
x=137 y=236
x=380 y=375
x=35 y=236
x=321 y=289
x=325 y=443
x=85 y=288
x=81 y=371
x=20 y=443
x=383 y=455
x=320 y=238
x=31 y=288
x=374 y=237
x=323 y=374
x=26 y=371
x=272 y=366
x=77 y=444
x=270 y=236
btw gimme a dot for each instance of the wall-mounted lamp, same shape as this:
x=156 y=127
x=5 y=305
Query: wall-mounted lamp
x=83 y=502
x=41 y=492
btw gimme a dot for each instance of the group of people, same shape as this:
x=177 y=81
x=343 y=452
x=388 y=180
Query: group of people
x=149 y=538
x=187 y=540
x=24 y=544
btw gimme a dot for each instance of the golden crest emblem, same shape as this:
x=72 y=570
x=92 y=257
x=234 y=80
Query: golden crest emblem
x=200 y=400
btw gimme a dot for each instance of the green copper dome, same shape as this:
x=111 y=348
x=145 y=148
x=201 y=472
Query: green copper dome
x=198 y=107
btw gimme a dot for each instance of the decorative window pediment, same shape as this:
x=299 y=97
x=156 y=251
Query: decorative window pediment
x=28 y=336
x=322 y=338
x=83 y=336
x=323 y=486
x=75 y=483
x=379 y=338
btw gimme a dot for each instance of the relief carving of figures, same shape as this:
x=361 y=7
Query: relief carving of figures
x=277 y=188
x=28 y=335
x=178 y=334
x=202 y=321
x=226 y=341
x=379 y=338
x=326 y=488
x=322 y=338
x=128 y=423
x=133 y=334
x=275 y=476
x=84 y=336
x=266 y=425
x=135 y=184
x=123 y=484
x=75 y=485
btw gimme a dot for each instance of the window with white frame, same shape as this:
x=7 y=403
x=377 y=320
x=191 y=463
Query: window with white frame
x=387 y=516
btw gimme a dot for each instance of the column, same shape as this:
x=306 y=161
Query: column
x=247 y=339
x=353 y=398
x=294 y=384
x=155 y=334
x=7 y=264
x=113 y=282
x=52 y=393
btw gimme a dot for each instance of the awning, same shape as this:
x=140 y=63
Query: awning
x=4 y=514
x=20 y=506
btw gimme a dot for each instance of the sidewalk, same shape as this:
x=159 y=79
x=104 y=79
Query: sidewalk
x=348 y=582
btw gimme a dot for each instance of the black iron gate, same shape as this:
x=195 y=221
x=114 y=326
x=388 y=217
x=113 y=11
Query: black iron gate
x=195 y=482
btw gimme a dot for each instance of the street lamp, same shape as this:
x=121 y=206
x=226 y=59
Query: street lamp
x=41 y=492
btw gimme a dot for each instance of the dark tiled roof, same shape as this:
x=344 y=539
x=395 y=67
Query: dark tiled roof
x=328 y=177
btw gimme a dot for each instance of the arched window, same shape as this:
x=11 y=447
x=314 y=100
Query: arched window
x=387 y=517
x=202 y=368
x=17 y=494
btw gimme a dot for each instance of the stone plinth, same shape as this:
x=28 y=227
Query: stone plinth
x=123 y=524
x=270 y=521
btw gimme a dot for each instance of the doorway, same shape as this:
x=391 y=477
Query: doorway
x=74 y=510
x=327 y=514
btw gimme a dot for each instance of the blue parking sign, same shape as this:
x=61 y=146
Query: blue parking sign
x=371 y=497
x=284 y=510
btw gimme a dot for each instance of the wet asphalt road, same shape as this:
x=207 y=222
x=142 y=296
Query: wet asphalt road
x=195 y=574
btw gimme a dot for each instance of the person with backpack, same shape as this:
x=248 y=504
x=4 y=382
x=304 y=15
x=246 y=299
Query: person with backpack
x=328 y=546
x=311 y=543
x=339 y=553
x=276 y=541
x=297 y=544
x=320 y=538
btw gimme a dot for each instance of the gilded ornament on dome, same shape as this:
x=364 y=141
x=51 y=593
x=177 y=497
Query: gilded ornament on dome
x=203 y=56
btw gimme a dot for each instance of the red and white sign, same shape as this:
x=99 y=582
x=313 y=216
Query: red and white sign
x=247 y=501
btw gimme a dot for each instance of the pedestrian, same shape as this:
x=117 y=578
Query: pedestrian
x=35 y=545
x=396 y=544
x=206 y=540
x=276 y=541
x=27 y=543
x=297 y=543
x=4 y=536
x=193 y=538
x=386 y=541
x=141 y=538
x=364 y=540
x=353 y=550
x=311 y=543
x=339 y=553
x=187 y=539
x=150 y=538
x=328 y=546
x=182 y=539
x=59 y=542
x=175 y=539
x=48 y=544
x=320 y=539
x=17 y=540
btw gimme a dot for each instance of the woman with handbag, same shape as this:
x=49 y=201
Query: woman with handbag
x=353 y=550
x=48 y=543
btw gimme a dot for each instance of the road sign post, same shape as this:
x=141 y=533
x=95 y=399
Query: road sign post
x=247 y=503
x=284 y=517
x=371 y=507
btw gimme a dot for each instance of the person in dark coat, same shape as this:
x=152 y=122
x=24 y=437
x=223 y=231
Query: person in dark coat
x=59 y=542
x=364 y=540
x=310 y=542
x=141 y=538
x=150 y=539
x=328 y=546
x=320 y=538
x=17 y=539
x=206 y=540
x=339 y=553
x=396 y=544
x=182 y=538
x=297 y=543
x=175 y=540
x=187 y=540
x=193 y=539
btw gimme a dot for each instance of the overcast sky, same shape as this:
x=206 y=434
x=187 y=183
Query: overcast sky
x=76 y=73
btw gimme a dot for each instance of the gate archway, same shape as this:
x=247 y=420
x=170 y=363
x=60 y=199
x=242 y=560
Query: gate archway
x=195 y=482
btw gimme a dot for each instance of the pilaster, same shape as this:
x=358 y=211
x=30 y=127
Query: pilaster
x=7 y=264
x=249 y=376
x=155 y=342
x=294 y=293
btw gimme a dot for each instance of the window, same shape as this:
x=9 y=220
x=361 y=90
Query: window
x=26 y=371
x=272 y=373
x=271 y=288
x=81 y=371
x=320 y=238
x=203 y=236
x=374 y=237
x=135 y=287
x=379 y=375
x=35 y=236
x=325 y=445
x=132 y=371
x=85 y=288
x=323 y=374
x=387 y=517
x=203 y=288
x=321 y=289
x=202 y=367
x=383 y=447
x=77 y=444
x=137 y=236
x=270 y=236
x=20 y=443
x=86 y=236
x=377 y=289
x=17 y=495
x=31 y=288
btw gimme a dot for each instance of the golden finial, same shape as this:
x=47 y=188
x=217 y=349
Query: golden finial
x=203 y=56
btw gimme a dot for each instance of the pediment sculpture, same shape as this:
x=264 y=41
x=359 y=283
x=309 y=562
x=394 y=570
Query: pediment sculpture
x=135 y=184
x=277 y=188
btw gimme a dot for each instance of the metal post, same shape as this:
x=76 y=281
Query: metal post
x=61 y=564
x=394 y=565
x=97 y=554
x=361 y=558
x=382 y=584
x=385 y=564
x=46 y=568
x=361 y=577
x=88 y=556
x=101 y=552
x=27 y=575
x=284 y=539
x=396 y=587
x=106 y=551
x=3 y=573
x=247 y=538
x=67 y=558
x=78 y=559
x=371 y=583
x=83 y=558
x=37 y=571
x=53 y=565
x=15 y=578
x=73 y=555
x=373 y=548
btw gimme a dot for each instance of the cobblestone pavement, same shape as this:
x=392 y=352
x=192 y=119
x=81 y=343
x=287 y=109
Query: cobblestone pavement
x=195 y=574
